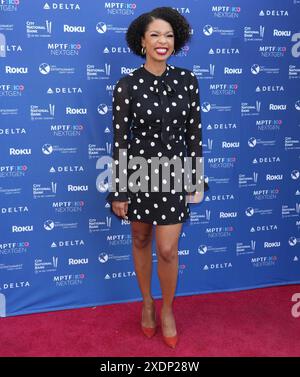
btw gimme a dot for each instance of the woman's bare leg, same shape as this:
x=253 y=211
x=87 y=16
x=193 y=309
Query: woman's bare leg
x=167 y=237
x=142 y=254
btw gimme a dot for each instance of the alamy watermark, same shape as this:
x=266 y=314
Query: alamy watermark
x=296 y=307
x=166 y=174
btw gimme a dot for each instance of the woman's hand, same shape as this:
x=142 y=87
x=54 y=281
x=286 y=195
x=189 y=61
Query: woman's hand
x=197 y=197
x=120 y=208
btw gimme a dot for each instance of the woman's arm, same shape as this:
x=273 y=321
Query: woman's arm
x=121 y=127
x=193 y=137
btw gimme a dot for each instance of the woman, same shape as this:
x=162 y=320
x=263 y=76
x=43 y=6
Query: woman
x=156 y=113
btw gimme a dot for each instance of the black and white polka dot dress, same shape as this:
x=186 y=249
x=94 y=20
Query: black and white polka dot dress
x=157 y=118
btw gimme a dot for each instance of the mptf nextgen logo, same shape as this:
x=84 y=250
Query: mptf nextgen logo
x=11 y=90
x=9 y=5
x=119 y=8
x=225 y=11
x=64 y=48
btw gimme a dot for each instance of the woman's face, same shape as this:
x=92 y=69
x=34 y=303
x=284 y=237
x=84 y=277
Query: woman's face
x=158 y=40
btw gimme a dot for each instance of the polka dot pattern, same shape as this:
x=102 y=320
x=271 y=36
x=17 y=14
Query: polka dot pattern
x=156 y=117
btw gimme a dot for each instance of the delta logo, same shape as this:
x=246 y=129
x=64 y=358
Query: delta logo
x=61 y=6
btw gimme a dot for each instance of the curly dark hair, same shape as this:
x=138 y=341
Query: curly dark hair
x=137 y=28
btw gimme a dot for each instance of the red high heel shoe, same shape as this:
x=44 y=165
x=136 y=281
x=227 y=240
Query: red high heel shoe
x=149 y=332
x=171 y=341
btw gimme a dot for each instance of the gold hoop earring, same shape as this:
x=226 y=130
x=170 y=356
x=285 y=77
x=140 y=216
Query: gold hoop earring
x=143 y=51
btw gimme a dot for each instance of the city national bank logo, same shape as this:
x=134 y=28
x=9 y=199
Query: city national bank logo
x=45 y=69
x=249 y=110
x=11 y=90
x=98 y=73
x=120 y=8
x=99 y=225
x=7 y=49
x=220 y=11
x=68 y=280
x=45 y=266
x=248 y=180
x=43 y=191
x=120 y=275
x=242 y=248
x=288 y=211
x=39 y=113
x=96 y=152
x=251 y=34
x=61 y=6
x=205 y=72
x=34 y=30
x=69 y=49
x=9 y=5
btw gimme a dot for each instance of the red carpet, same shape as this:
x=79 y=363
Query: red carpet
x=247 y=323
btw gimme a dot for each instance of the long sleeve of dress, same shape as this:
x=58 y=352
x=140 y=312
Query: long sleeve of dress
x=193 y=135
x=121 y=135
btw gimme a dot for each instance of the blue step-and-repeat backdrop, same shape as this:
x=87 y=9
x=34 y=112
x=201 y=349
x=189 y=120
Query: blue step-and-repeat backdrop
x=60 y=245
